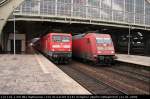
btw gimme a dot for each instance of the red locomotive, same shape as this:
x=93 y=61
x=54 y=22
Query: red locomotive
x=97 y=48
x=57 y=46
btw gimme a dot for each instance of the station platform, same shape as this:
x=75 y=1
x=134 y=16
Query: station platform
x=134 y=59
x=34 y=74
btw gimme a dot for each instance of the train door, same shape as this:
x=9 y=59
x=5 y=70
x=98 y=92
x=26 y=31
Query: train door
x=46 y=45
x=88 y=48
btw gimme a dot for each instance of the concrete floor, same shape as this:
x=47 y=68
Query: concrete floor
x=135 y=59
x=34 y=74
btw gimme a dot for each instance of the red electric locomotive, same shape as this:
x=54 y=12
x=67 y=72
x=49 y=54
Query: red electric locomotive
x=57 y=46
x=97 y=48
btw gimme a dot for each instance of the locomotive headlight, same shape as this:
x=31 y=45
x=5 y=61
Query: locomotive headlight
x=112 y=52
x=53 y=50
x=99 y=52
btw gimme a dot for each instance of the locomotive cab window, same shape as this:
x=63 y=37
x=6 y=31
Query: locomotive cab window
x=56 y=38
x=65 y=39
x=103 y=40
x=107 y=40
x=99 y=40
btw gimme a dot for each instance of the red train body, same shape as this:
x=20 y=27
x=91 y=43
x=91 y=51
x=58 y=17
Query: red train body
x=94 y=47
x=57 y=46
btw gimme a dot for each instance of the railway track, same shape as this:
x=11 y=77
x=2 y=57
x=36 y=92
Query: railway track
x=108 y=80
x=133 y=69
x=89 y=82
x=132 y=74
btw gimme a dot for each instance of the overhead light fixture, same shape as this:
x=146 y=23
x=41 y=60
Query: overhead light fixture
x=104 y=29
x=139 y=33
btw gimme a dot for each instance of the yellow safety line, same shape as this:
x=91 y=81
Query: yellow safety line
x=41 y=65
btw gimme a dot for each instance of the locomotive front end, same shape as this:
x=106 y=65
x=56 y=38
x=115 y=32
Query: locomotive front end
x=61 y=48
x=105 y=50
